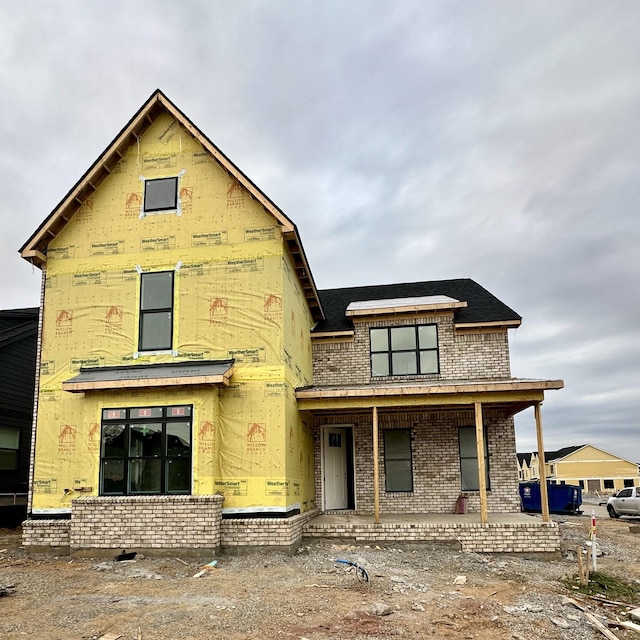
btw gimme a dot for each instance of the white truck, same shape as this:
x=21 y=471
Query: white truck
x=624 y=503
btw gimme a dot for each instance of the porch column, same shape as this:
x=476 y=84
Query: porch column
x=376 y=471
x=544 y=493
x=482 y=470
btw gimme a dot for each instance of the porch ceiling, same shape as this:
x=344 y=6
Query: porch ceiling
x=509 y=396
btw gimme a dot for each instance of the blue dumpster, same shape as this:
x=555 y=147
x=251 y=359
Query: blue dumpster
x=563 y=498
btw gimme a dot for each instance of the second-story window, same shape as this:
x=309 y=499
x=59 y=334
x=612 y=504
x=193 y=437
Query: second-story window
x=160 y=194
x=404 y=351
x=156 y=311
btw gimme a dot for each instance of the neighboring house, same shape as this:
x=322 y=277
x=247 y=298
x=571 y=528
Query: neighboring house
x=595 y=470
x=18 y=335
x=196 y=390
x=524 y=467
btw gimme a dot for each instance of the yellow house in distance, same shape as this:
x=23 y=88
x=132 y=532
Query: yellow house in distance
x=595 y=470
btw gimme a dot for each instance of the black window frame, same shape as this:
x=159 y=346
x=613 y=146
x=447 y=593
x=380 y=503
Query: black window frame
x=151 y=181
x=608 y=483
x=15 y=451
x=485 y=440
x=407 y=457
x=418 y=350
x=143 y=313
x=127 y=420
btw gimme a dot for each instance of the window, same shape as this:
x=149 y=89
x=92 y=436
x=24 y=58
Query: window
x=581 y=483
x=9 y=445
x=160 y=194
x=397 y=460
x=628 y=482
x=625 y=493
x=608 y=484
x=404 y=351
x=156 y=311
x=469 y=459
x=146 y=451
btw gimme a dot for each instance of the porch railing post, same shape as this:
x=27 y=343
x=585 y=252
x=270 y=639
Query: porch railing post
x=544 y=493
x=376 y=471
x=482 y=472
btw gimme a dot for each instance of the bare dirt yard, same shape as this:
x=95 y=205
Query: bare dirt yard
x=419 y=592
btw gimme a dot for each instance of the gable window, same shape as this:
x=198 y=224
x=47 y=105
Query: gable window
x=469 y=459
x=403 y=351
x=146 y=451
x=9 y=445
x=398 y=470
x=156 y=311
x=160 y=194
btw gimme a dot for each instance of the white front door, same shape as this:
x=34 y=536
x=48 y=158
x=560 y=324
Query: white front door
x=336 y=494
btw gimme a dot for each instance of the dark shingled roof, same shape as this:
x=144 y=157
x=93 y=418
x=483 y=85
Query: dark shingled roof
x=561 y=453
x=552 y=455
x=482 y=305
x=524 y=457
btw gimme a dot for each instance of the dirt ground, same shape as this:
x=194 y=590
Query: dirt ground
x=419 y=592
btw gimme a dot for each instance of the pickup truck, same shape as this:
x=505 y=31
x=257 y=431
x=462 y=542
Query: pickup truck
x=625 y=503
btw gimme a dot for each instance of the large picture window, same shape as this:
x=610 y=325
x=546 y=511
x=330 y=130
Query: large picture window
x=9 y=446
x=156 y=311
x=469 y=459
x=404 y=351
x=146 y=451
x=398 y=470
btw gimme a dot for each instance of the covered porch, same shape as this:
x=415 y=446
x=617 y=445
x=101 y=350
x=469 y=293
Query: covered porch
x=431 y=509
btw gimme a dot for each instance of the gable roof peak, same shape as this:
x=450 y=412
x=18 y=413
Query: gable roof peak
x=35 y=248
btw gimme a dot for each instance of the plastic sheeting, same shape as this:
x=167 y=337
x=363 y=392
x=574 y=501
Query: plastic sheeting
x=236 y=296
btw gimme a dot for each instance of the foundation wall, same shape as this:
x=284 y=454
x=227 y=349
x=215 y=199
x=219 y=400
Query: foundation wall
x=479 y=538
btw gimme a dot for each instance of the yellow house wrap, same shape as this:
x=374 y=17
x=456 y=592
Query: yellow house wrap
x=237 y=297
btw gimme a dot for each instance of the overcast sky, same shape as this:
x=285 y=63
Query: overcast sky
x=408 y=140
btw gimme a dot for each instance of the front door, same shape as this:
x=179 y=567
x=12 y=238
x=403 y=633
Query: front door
x=336 y=486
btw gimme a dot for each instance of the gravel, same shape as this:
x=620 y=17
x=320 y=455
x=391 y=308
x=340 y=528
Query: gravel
x=420 y=591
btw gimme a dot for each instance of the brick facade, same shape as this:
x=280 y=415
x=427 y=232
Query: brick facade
x=463 y=355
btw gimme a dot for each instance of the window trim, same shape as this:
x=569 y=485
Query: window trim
x=16 y=450
x=144 y=312
x=126 y=456
x=485 y=438
x=409 y=457
x=417 y=350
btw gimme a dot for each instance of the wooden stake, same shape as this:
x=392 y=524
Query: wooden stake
x=581 y=575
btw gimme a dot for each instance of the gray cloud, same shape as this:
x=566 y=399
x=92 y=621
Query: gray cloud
x=408 y=141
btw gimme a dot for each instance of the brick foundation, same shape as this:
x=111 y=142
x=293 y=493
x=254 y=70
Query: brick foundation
x=283 y=534
x=481 y=538
x=46 y=534
x=160 y=523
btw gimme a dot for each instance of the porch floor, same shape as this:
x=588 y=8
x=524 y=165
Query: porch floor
x=504 y=532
